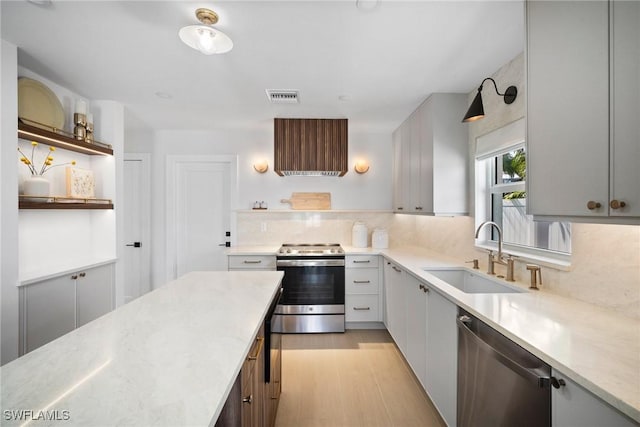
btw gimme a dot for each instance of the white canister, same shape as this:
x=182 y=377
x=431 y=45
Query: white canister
x=380 y=238
x=359 y=235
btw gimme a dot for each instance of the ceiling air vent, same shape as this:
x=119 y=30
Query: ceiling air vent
x=280 y=96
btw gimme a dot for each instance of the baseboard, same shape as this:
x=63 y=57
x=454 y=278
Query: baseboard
x=364 y=325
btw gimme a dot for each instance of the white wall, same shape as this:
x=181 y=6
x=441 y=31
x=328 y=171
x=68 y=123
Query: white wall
x=9 y=198
x=370 y=191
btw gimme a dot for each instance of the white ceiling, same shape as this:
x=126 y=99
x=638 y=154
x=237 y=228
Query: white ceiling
x=387 y=60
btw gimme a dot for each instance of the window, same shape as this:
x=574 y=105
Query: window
x=501 y=197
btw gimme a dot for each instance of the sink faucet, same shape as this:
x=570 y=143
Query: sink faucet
x=500 y=258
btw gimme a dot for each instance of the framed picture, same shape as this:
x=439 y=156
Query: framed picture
x=80 y=183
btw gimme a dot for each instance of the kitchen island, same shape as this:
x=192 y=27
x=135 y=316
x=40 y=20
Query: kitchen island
x=168 y=358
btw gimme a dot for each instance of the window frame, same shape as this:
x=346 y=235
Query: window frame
x=484 y=189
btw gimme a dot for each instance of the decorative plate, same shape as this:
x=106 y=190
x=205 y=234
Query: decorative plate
x=38 y=103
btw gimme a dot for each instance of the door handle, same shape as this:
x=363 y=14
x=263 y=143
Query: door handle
x=134 y=244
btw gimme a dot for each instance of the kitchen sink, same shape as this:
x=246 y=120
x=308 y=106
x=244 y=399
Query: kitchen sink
x=471 y=282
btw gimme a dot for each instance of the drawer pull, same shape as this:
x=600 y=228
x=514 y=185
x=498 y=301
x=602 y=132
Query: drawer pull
x=396 y=268
x=259 y=340
x=362 y=262
x=362 y=308
x=362 y=281
x=252 y=262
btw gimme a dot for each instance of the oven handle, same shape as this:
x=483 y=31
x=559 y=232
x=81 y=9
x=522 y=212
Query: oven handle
x=310 y=263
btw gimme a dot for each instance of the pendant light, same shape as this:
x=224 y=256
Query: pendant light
x=476 y=110
x=205 y=38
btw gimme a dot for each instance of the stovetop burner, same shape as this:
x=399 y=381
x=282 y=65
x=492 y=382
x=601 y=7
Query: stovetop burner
x=310 y=249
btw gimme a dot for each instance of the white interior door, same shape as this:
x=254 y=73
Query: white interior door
x=136 y=253
x=198 y=214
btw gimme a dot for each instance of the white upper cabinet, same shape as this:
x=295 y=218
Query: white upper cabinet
x=582 y=109
x=625 y=108
x=430 y=158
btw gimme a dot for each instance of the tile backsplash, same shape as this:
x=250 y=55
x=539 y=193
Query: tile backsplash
x=605 y=263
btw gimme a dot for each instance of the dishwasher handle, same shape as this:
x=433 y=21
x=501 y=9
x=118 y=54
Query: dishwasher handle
x=541 y=381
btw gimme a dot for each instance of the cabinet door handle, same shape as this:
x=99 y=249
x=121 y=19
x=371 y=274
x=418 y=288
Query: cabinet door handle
x=74 y=277
x=400 y=208
x=362 y=281
x=248 y=399
x=252 y=262
x=591 y=205
x=83 y=274
x=617 y=204
x=362 y=262
x=259 y=340
x=396 y=269
x=362 y=308
x=557 y=383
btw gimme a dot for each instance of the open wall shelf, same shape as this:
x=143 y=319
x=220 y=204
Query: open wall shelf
x=28 y=202
x=60 y=139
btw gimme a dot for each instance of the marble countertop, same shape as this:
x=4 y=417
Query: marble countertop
x=168 y=358
x=595 y=347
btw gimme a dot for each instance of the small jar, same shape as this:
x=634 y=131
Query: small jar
x=380 y=239
x=359 y=234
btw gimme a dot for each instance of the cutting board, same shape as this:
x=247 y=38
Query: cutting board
x=309 y=201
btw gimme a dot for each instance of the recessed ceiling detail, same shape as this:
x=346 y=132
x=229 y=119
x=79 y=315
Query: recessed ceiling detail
x=282 y=96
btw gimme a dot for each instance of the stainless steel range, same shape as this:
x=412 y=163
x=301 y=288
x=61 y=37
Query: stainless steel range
x=313 y=288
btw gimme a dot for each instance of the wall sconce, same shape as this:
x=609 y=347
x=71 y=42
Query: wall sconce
x=476 y=110
x=261 y=166
x=361 y=166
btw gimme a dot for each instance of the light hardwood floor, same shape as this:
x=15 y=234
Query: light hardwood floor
x=358 y=378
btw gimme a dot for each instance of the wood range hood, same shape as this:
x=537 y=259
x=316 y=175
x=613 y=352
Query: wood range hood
x=310 y=147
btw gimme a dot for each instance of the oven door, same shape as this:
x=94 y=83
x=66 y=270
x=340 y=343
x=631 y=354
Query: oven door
x=312 y=281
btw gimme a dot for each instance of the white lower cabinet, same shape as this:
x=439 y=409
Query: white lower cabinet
x=48 y=310
x=361 y=308
x=422 y=322
x=251 y=262
x=572 y=405
x=416 y=354
x=362 y=278
x=94 y=294
x=53 y=307
x=442 y=355
x=396 y=304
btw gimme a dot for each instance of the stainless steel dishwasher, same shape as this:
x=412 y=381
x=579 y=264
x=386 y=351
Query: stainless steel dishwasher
x=499 y=382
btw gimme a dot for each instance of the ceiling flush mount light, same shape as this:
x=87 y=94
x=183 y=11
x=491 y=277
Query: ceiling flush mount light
x=476 y=110
x=361 y=166
x=204 y=37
